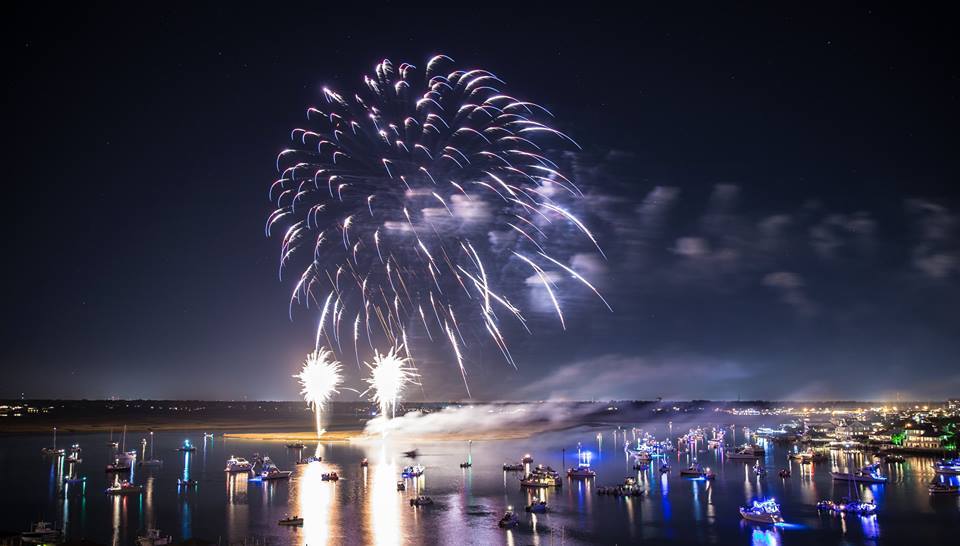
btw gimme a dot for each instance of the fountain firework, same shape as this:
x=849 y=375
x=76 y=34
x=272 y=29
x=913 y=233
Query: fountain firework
x=319 y=380
x=389 y=374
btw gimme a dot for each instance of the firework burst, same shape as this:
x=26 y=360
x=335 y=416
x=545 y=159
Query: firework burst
x=319 y=380
x=389 y=374
x=389 y=199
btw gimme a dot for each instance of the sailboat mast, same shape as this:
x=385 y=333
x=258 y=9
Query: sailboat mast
x=54 y=438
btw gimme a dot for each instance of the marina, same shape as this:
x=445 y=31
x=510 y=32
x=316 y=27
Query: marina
x=337 y=499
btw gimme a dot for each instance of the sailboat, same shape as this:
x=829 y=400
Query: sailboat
x=52 y=451
x=111 y=443
x=856 y=506
x=152 y=461
x=469 y=461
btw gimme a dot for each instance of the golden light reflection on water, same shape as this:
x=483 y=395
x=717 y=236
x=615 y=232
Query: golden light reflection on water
x=382 y=515
x=315 y=503
x=238 y=512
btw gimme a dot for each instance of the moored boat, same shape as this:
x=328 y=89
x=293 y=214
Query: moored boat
x=767 y=511
x=154 y=538
x=41 y=533
x=421 y=500
x=238 y=464
x=509 y=519
x=124 y=488
x=867 y=474
x=291 y=521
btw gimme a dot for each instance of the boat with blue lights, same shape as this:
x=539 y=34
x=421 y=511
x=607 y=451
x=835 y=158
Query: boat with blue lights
x=412 y=471
x=950 y=467
x=767 y=511
x=867 y=474
x=187 y=447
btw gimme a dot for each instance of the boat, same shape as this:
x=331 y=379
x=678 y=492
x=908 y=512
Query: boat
x=238 y=464
x=893 y=458
x=413 y=453
x=867 y=474
x=421 y=500
x=784 y=473
x=664 y=468
x=537 y=506
x=41 y=533
x=152 y=461
x=767 y=511
x=124 y=488
x=508 y=467
x=74 y=456
x=187 y=447
x=526 y=459
x=330 y=476
x=643 y=456
x=509 y=520
x=75 y=480
x=297 y=445
x=291 y=521
x=52 y=451
x=745 y=454
x=208 y=435
x=154 y=538
x=469 y=462
x=413 y=471
x=581 y=471
x=187 y=482
x=401 y=486
x=313 y=459
x=847 y=506
x=758 y=469
x=540 y=480
x=945 y=489
x=949 y=467
x=364 y=463
x=269 y=471
x=541 y=470
x=693 y=471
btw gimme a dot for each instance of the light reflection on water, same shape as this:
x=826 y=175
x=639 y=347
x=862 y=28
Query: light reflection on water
x=364 y=507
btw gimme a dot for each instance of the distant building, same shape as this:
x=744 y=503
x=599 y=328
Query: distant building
x=920 y=440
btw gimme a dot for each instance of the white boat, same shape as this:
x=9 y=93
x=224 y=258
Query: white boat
x=767 y=511
x=867 y=474
x=124 y=488
x=238 y=464
x=154 y=538
x=41 y=533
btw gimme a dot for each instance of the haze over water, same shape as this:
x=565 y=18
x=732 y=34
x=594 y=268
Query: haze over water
x=364 y=507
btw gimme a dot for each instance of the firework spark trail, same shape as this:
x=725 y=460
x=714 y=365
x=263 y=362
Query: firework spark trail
x=410 y=170
x=389 y=375
x=319 y=380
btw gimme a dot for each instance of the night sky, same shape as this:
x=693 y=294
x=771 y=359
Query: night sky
x=776 y=194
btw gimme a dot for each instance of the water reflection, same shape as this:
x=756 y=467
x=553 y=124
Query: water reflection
x=383 y=509
x=238 y=511
x=315 y=503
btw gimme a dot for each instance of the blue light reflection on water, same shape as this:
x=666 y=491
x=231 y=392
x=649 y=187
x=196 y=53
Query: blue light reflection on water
x=468 y=503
